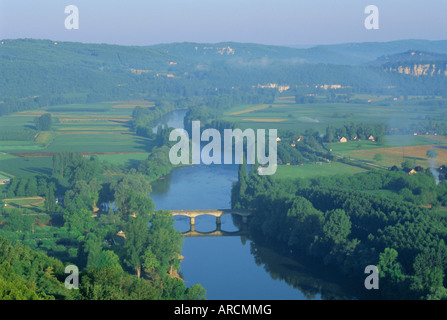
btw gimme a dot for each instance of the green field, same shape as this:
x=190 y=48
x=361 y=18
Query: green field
x=395 y=150
x=99 y=128
x=285 y=114
x=391 y=141
x=23 y=166
x=27 y=205
x=104 y=129
x=315 y=170
x=126 y=159
x=3 y=177
x=100 y=143
x=319 y=115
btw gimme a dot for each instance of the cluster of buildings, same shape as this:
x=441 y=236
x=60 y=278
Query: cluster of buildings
x=344 y=139
x=5 y=181
x=281 y=88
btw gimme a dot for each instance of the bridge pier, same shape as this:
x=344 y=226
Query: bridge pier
x=192 y=221
x=218 y=222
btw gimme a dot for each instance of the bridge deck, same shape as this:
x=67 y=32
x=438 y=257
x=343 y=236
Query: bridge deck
x=215 y=233
x=214 y=212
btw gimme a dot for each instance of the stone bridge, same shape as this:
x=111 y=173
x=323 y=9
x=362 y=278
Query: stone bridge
x=218 y=213
x=215 y=233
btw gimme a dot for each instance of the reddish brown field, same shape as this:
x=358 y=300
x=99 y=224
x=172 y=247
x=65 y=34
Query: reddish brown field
x=395 y=156
x=265 y=120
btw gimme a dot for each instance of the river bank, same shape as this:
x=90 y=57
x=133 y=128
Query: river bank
x=235 y=267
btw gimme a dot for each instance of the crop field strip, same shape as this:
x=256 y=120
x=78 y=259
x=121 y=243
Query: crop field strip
x=396 y=155
x=104 y=127
x=93 y=129
x=315 y=170
x=324 y=114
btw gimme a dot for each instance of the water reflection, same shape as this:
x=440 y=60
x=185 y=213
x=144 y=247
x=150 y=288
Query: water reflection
x=309 y=277
x=172 y=120
x=237 y=267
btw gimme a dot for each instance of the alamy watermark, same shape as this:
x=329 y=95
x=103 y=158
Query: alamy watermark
x=372 y=281
x=372 y=20
x=211 y=153
x=72 y=281
x=72 y=20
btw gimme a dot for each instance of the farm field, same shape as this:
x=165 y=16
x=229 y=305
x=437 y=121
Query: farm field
x=105 y=129
x=3 y=177
x=315 y=170
x=29 y=205
x=101 y=128
x=285 y=114
x=390 y=142
x=99 y=143
x=126 y=159
x=396 y=155
x=395 y=150
x=19 y=166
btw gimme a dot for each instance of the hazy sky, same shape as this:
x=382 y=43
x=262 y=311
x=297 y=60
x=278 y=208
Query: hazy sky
x=279 y=22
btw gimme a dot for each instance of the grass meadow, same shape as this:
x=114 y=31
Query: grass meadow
x=105 y=129
x=100 y=128
x=315 y=170
x=285 y=114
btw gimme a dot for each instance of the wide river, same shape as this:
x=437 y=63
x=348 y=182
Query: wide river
x=235 y=267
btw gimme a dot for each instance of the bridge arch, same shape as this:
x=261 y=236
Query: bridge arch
x=218 y=213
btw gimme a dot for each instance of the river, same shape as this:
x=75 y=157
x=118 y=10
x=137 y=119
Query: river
x=235 y=267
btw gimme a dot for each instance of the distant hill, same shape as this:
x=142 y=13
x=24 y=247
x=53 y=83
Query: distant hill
x=71 y=71
x=38 y=73
x=415 y=63
x=413 y=56
x=93 y=56
x=366 y=52
x=349 y=53
x=162 y=56
x=228 y=51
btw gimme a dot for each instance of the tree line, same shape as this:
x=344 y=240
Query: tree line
x=106 y=226
x=348 y=223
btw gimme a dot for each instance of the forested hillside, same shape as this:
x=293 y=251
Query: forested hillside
x=349 y=222
x=62 y=204
x=39 y=73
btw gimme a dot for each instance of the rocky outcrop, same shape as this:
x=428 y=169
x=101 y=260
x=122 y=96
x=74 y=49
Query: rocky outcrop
x=419 y=69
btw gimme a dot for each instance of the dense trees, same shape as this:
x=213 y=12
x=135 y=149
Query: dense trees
x=44 y=122
x=157 y=164
x=296 y=148
x=356 y=131
x=127 y=252
x=26 y=274
x=39 y=77
x=29 y=186
x=338 y=220
x=143 y=119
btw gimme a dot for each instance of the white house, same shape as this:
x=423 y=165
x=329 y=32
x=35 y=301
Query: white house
x=5 y=181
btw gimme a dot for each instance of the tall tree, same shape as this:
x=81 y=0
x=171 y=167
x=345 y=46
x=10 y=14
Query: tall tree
x=136 y=233
x=44 y=122
x=50 y=199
